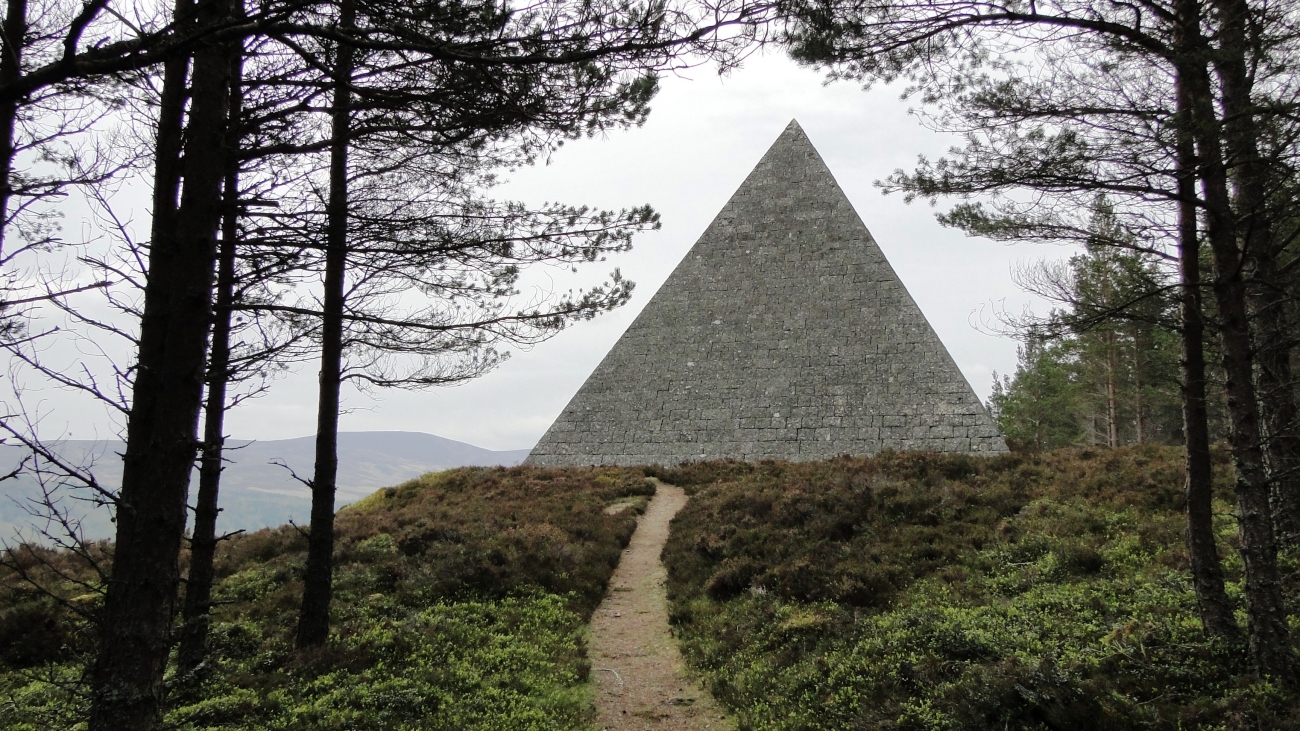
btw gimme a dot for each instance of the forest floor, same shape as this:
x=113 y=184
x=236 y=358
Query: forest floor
x=640 y=677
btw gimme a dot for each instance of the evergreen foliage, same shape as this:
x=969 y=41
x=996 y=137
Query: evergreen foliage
x=1102 y=368
x=1039 y=407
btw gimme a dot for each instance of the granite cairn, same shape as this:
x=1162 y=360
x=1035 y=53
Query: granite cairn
x=783 y=334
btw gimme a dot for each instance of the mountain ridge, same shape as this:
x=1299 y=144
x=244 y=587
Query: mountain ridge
x=256 y=488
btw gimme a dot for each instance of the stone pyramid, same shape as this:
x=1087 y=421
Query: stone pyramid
x=783 y=334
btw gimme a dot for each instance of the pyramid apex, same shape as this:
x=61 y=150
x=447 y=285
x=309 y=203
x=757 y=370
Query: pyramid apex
x=792 y=161
x=793 y=131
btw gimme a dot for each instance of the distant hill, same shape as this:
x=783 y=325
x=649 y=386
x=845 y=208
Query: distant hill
x=255 y=492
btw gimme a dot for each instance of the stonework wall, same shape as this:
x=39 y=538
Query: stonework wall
x=783 y=334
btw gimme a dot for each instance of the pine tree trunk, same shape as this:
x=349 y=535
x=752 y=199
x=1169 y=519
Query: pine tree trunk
x=1112 y=399
x=1207 y=571
x=203 y=539
x=11 y=69
x=313 y=620
x=162 y=430
x=170 y=138
x=1274 y=342
x=1267 y=632
x=1139 y=417
x=1250 y=177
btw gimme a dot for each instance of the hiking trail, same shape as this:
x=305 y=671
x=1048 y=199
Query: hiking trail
x=641 y=680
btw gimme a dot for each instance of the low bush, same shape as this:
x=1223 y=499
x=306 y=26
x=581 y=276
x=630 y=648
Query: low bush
x=915 y=591
x=460 y=603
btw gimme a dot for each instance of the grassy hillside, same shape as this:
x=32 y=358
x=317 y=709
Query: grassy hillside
x=460 y=603
x=926 y=592
x=902 y=592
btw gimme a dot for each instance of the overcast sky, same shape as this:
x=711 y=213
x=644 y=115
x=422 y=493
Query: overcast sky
x=703 y=137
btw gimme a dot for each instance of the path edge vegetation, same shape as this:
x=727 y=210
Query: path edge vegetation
x=462 y=601
x=913 y=591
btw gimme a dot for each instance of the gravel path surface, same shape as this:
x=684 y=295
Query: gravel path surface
x=641 y=680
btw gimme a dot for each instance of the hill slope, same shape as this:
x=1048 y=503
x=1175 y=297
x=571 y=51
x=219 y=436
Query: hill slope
x=915 y=591
x=460 y=604
x=907 y=592
x=256 y=492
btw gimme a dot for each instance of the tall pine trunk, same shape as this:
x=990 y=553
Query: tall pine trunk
x=11 y=69
x=126 y=679
x=1112 y=395
x=314 y=618
x=170 y=136
x=1251 y=179
x=1273 y=344
x=203 y=539
x=1207 y=571
x=1267 y=632
x=1139 y=412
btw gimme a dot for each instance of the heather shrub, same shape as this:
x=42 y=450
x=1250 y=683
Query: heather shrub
x=460 y=602
x=914 y=591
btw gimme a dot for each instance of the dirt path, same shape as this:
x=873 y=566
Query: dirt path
x=641 y=680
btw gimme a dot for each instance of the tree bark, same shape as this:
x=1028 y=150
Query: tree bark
x=313 y=620
x=1207 y=571
x=1139 y=414
x=1273 y=345
x=1267 y=632
x=203 y=539
x=1112 y=395
x=11 y=68
x=1250 y=177
x=126 y=680
x=170 y=137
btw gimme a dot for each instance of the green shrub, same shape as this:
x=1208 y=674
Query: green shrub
x=460 y=602
x=933 y=592
x=513 y=663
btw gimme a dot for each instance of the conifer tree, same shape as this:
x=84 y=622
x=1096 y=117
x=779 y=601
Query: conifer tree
x=1037 y=408
x=576 y=40
x=1065 y=100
